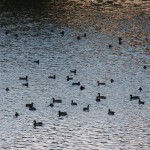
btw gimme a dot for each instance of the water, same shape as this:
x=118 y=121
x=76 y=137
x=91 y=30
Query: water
x=39 y=38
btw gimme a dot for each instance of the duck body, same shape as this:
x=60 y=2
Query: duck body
x=141 y=102
x=69 y=78
x=101 y=97
x=100 y=83
x=51 y=105
x=73 y=103
x=25 y=84
x=36 y=61
x=52 y=77
x=111 y=112
x=37 y=123
x=98 y=99
x=29 y=105
x=86 y=108
x=60 y=113
x=73 y=71
x=134 y=97
x=32 y=108
x=76 y=83
x=23 y=78
x=56 y=100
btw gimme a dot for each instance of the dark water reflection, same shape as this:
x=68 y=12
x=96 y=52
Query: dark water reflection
x=39 y=38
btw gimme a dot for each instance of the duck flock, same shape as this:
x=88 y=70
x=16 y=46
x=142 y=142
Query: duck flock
x=98 y=97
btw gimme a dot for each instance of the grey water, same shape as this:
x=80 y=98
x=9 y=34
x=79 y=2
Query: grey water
x=34 y=34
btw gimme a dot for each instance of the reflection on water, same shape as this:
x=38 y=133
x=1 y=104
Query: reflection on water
x=34 y=35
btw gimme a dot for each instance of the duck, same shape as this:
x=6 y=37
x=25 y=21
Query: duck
x=16 y=35
x=37 y=123
x=29 y=105
x=51 y=105
x=98 y=99
x=25 y=84
x=141 y=102
x=84 y=35
x=76 y=83
x=145 y=67
x=78 y=37
x=140 y=89
x=60 y=113
x=62 y=33
x=56 y=100
x=82 y=87
x=100 y=83
x=16 y=114
x=7 y=89
x=73 y=71
x=37 y=61
x=134 y=97
x=86 y=108
x=69 y=78
x=32 y=108
x=52 y=77
x=101 y=97
x=111 y=80
x=7 y=32
x=110 y=46
x=110 y=112
x=73 y=103
x=23 y=78
x=120 y=40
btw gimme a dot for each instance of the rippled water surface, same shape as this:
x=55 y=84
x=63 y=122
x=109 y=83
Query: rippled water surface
x=35 y=35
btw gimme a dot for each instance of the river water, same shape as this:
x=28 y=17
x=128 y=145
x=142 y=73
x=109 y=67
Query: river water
x=35 y=35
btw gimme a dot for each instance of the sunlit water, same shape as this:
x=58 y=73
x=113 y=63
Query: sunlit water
x=39 y=38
